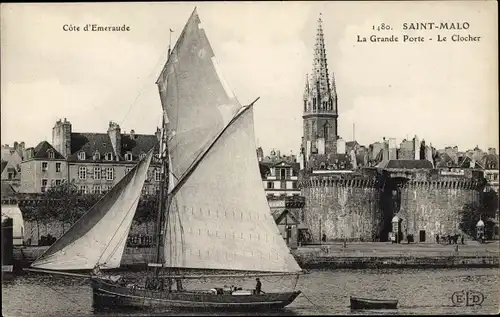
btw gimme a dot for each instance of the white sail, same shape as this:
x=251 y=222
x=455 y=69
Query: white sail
x=198 y=101
x=219 y=217
x=99 y=236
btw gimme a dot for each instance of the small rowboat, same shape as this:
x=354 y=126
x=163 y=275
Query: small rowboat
x=367 y=303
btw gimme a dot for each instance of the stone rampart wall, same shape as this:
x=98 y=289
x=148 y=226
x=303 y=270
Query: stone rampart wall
x=341 y=208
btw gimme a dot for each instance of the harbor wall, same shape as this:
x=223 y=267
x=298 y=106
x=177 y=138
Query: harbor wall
x=354 y=256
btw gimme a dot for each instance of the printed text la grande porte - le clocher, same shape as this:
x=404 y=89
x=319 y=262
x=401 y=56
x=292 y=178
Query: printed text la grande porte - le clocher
x=415 y=32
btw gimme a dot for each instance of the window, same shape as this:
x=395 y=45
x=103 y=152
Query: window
x=51 y=155
x=143 y=155
x=81 y=156
x=97 y=173
x=127 y=170
x=104 y=189
x=82 y=172
x=58 y=182
x=97 y=156
x=11 y=176
x=83 y=189
x=128 y=156
x=110 y=174
x=44 y=166
x=294 y=185
x=109 y=156
x=97 y=189
x=288 y=172
x=157 y=175
x=270 y=185
x=58 y=167
x=44 y=185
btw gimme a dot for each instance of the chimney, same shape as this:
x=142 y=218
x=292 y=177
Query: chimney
x=132 y=134
x=392 y=149
x=115 y=136
x=16 y=145
x=61 y=137
x=416 y=148
x=492 y=150
x=385 y=151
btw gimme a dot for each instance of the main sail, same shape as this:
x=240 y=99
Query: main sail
x=100 y=235
x=218 y=216
x=198 y=101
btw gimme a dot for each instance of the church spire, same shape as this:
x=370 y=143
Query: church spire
x=320 y=67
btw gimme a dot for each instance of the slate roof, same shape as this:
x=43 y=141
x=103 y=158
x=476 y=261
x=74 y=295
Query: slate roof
x=444 y=160
x=407 y=164
x=42 y=150
x=279 y=216
x=490 y=161
x=3 y=165
x=90 y=143
x=7 y=191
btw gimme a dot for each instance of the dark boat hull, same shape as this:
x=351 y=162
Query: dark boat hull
x=366 y=303
x=109 y=295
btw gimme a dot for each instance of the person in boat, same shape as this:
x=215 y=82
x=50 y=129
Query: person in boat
x=258 y=286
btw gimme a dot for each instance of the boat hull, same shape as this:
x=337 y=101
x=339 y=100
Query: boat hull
x=366 y=303
x=109 y=295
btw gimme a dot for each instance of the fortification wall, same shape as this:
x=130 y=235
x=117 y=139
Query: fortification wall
x=432 y=201
x=435 y=207
x=341 y=208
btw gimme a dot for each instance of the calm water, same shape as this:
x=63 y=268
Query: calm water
x=326 y=292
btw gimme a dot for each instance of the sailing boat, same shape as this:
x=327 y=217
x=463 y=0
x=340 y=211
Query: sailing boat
x=213 y=212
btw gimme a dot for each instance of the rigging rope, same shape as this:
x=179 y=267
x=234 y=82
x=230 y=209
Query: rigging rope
x=63 y=294
x=162 y=58
x=316 y=306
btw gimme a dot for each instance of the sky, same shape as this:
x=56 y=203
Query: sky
x=446 y=93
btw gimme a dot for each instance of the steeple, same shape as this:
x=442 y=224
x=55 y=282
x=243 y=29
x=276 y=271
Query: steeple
x=320 y=105
x=320 y=66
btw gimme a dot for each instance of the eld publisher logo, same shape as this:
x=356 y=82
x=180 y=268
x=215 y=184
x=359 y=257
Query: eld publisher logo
x=467 y=298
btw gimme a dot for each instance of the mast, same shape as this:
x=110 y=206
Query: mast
x=160 y=217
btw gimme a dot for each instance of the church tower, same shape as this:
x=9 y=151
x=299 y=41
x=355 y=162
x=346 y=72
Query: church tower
x=320 y=105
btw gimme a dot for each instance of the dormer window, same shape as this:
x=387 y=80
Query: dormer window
x=109 y=156
x=143 y=155
x=51 y=155
x=81 y=156
x=97 y=156
x=128 y=156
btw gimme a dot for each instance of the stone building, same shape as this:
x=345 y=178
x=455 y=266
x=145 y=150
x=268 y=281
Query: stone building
x=320 y=111
x=280 y=178
x=12 y=157
x=94 y=162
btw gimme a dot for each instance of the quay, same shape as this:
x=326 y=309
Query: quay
x=333 y=255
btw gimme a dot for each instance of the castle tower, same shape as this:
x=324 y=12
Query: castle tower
x=61 y=137
x=320 y=104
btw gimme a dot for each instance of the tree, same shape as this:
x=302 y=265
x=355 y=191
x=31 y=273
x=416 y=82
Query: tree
x=471 y=213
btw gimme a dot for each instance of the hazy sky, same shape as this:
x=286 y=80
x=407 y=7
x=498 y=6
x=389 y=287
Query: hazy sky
x=446 y=93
